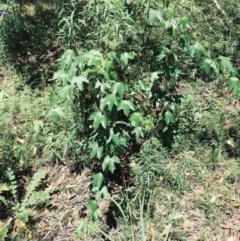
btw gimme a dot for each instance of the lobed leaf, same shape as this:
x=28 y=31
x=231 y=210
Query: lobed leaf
x=109 y=163
x=98 y=118
x=126 y=105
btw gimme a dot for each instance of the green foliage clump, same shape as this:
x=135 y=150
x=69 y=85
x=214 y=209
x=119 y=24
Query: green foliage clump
x=121 y=79
x=117 y=88
x=23 y=211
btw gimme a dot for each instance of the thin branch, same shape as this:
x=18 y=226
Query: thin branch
x=219 y=8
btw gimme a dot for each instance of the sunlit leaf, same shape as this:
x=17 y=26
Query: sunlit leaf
x=119 y=88
x=66 y=93
x=95 y=150
x=109 y=163
x=97 y=180
x=137 y=118
x=61 y=75
x=169 y=117
x=138 y=131
x=208 y=64
x=67 y=58
x=98 y=118
x=126 y=105
x=55 y=113
x=225 y=64
x=102 y=86
x=4 y=231
x=79 y=80
x=109 y=100
x=154 y=76
x=103 y=193
x=184 y=23
x=234 y=85
x=126 y=56
x=155 y=15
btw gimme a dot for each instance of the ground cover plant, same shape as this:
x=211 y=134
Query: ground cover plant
x=119 y=120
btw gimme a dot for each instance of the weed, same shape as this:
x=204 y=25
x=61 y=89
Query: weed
x=21 y=211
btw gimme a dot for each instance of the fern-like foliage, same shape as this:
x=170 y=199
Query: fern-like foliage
x=27 y=208
x=12 y=183
x=32 y=196
x=4 y=230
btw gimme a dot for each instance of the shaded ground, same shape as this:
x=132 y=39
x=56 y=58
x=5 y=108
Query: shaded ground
x=67 y=204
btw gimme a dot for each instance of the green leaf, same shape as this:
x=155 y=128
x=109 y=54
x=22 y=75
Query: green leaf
x=102 y=86
x=188 y=97
x=166 y=2
x=122 y=141
x=160 y=57
x=6 y=202
x=72 y=72
x=37 y=126
x=4 y=232
x=24 y=215
x=138 y=131
x=154 y=15
x=85 y=227
x=126 y=56
x=119 y=88
x=184 y=23
x=61 y=75
x=67 y=58
x=94 y=54
x=117 y=138
x=80 y=227
x=148 y=123
x=136 y=118
x=126 y=105
x=109 y=163
x=109 y=100
x=54 y=99
x=200 y=47
x=154 y=76
x=35 y=181
x=225 y=64
x=79 y=80
x=234 y=85
x=103 y=193
x=38 y=197
x=197 y=49
x=169 y=117
x=208 y=64
x=12 y=183
x=55 y=113
x=141 y=85
x=94 y=58
x=66 y=93
x=191 y=51
x=95 y=213
x=97 y=181
x=185 y=40
x=113 y=137
x=95 y=150
x=80 y=61
x=98 y=118
x=92 y=205
x=171 y=25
